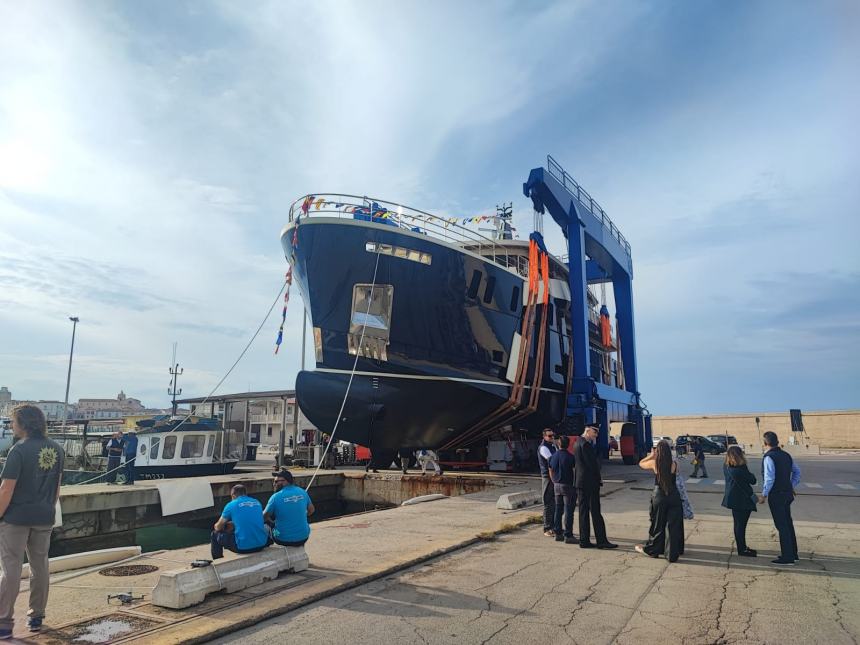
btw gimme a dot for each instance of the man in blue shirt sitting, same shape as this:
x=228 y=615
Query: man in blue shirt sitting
x=781 y=477
x=240 y=528
x=288 y=510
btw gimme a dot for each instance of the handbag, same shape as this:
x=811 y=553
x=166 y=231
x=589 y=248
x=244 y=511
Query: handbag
x=686 y=506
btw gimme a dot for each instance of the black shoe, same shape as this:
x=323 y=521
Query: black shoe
x=559 y=538
x=571 y=540
x=34 y=624
x=748 y=553
x=587 y=545
x=607 y=545
x=783 y=563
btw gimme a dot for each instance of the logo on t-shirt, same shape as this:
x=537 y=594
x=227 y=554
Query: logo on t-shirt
x=47 y=458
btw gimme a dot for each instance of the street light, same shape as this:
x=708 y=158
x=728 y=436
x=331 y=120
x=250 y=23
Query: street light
x=75 y=321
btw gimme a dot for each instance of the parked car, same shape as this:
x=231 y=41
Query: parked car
x=723 y=440
x=657 y=439
x=683 y=442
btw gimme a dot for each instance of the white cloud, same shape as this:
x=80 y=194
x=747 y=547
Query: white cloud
x=147 y=163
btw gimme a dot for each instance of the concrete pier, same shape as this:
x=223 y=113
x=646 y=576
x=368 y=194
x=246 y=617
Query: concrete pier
x=99 y=516
x=461 y=570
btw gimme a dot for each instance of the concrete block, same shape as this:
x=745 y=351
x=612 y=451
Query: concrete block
x=187 y=587
x=511 y=501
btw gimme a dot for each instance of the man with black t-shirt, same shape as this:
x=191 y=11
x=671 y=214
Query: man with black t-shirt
x=28 y=496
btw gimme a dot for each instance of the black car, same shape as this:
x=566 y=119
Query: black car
x=723 y=440
x=682 y=444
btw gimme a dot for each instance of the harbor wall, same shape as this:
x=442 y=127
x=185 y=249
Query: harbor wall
x=385 y=490
x=826 y=428
x=97 y=516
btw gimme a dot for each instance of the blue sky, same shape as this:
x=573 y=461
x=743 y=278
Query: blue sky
x=149 y=151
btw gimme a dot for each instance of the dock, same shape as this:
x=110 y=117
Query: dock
x=461 y=569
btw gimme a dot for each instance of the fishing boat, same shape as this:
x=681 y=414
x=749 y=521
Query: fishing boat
x=438 y=325
x=171 y=447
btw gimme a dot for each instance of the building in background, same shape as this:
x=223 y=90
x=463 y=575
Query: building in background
x=259 y=415
x=118 y=408
x=53 y=410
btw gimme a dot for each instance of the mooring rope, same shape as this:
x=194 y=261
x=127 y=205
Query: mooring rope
x=214 y=389
x=351 y=374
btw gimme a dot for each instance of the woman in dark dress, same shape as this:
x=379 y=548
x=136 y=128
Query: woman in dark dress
x=739 y=496
x=667 y=516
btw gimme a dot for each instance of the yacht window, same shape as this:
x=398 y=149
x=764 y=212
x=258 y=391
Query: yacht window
x=398 y=252
x=371 y=316
x=515 y=299
x=192 y=445
x=210 y=449
x=490 y=289
x=473 y=286
x=169 y=447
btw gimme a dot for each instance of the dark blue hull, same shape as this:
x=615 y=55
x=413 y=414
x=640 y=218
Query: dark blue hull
x=444 y=365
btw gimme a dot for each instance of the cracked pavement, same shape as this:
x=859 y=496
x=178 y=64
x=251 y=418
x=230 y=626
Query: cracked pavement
x=524 y=587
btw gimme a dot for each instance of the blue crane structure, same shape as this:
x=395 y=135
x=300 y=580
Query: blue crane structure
x=597 y=253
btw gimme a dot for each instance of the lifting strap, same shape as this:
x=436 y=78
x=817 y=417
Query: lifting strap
x=538 y=277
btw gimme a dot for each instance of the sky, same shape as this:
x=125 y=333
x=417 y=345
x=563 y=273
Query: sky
x=149 y=153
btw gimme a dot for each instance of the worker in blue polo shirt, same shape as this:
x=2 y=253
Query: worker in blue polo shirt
x=240 y=528
x=130 y=452
x=288 y=510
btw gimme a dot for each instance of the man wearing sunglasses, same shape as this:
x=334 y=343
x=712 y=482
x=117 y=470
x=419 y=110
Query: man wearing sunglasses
x=288 y=511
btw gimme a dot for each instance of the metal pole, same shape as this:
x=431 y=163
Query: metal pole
x=282 y=437
x=74 y=320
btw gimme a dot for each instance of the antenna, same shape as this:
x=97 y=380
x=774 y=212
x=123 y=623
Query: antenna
x=175 y=372
x=504 y=215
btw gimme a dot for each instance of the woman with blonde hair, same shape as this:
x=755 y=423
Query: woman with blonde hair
x=739 y=496
x=666 y=533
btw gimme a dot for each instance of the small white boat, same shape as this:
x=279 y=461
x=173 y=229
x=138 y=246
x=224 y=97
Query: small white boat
x=171 y=448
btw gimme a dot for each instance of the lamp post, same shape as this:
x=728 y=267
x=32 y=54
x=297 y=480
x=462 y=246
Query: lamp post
x=75 y=321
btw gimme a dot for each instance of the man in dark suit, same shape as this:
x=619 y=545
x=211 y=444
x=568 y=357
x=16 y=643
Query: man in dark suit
x=588 y=483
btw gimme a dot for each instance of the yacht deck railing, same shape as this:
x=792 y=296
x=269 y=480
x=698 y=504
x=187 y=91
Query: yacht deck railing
x=555 y=169
x=371 y=209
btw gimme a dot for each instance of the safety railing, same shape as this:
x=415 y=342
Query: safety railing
x=586 y=200
x=371 y=209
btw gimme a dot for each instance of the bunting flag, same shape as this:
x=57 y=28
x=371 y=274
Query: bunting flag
x=307 y=204
x=289 y=281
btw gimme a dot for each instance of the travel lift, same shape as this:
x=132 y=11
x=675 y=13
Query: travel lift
x=597 y=254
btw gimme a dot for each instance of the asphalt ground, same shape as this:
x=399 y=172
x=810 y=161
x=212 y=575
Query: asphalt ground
x=524 y=587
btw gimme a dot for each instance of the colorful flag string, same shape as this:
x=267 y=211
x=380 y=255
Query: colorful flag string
x=289 y=280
